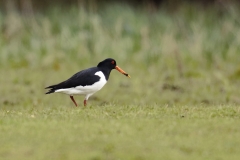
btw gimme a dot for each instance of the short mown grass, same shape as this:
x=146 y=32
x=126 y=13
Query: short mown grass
x=182 y=101
x=120 y=132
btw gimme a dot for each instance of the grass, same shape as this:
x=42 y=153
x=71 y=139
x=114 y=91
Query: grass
x=120 y=132
x=182 y=101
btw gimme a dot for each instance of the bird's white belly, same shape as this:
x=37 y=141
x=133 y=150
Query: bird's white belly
x=85 y=90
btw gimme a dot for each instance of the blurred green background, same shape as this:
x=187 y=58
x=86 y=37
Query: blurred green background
x=177 y=53
x=182 y=101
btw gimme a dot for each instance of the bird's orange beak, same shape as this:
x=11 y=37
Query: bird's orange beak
x=122 y=71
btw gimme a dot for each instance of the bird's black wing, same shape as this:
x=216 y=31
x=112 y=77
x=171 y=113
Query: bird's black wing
x=83 y=78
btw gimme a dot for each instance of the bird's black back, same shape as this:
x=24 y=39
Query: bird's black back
x=83 y=78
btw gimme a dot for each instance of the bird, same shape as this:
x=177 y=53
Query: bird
x=88 y=81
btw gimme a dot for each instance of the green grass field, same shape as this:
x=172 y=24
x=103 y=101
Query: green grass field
x=120 y=132
x=182 y=101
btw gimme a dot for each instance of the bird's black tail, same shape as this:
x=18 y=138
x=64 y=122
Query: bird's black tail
x=52 y=89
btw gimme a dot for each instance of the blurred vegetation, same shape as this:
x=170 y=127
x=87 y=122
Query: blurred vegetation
x=182 y=101
x=189 y=54
x=36 y=5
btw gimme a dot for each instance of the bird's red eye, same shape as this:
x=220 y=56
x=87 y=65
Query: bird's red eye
x=113 y=62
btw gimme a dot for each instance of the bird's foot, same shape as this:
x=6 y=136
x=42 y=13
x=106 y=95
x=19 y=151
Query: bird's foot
x=73 y=101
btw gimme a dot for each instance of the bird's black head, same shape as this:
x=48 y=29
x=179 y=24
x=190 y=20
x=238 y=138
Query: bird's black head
x=110 y=64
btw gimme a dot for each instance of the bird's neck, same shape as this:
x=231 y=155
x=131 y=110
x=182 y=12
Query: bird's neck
x=106 y=72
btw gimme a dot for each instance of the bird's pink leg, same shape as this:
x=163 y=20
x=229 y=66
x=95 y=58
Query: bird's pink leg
x=73 y=100
x=85 y=102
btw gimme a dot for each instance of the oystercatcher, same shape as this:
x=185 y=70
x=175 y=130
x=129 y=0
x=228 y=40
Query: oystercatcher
x=88 y=81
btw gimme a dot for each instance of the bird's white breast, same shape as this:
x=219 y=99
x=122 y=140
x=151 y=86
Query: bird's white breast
x=86 y=89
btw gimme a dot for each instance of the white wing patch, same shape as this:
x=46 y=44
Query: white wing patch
x=86 y=90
